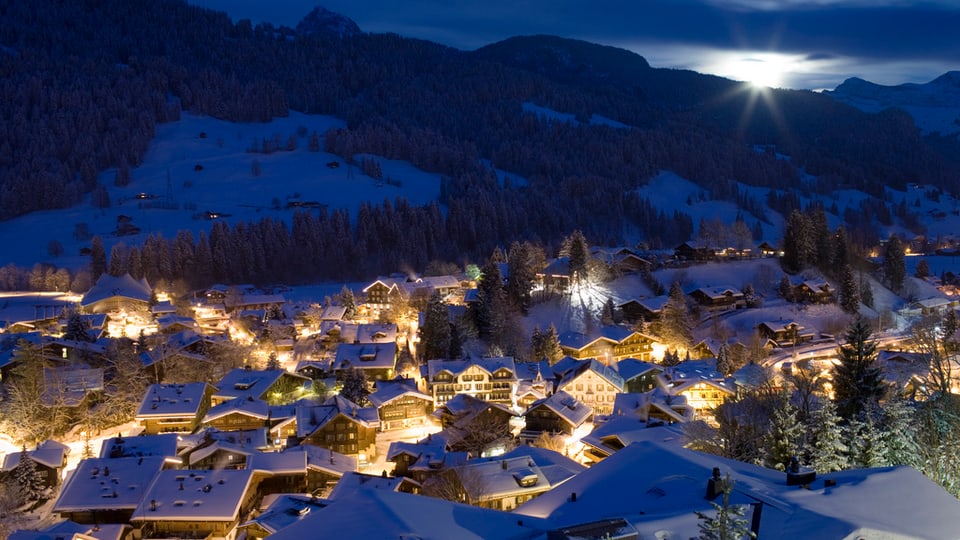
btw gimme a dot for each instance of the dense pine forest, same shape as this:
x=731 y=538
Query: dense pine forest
x=83 y=86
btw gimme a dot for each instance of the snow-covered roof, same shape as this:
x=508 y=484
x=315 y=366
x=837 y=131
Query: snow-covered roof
x=932 y=303
x=463 y=405
x=619 y=431
x=71 y=530
x=245 y=300
x=243 y=382
x=347 y=330
x=333 y=313
x=278 y=462
x=108 y=484
x=666 y=484
x=565 y=364
x=366 y=355
x=163 y=444
x=565 y=406
x=284 y=511
x=376 y=333
x=604 y=371
x=49 y=453
x=172 y=400
x=379 y=513
x=432 y=445
x=186 y=495
x=246 y=406
x=125 y=286
x=505 y=476
x=325 y=460
x=628 y=368
x=557 y=267
x=388 y=391
x=313 y=416
x=657 y=400
x=169 y=320
x=717 y=292
x=456 y=367
x=533 y=371
x=352 y=482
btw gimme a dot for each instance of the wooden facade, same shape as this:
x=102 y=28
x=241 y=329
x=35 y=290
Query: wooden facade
x=345 y=435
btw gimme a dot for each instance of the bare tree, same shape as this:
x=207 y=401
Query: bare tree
x=806 y=383
x=928 y=339
x=463 y=484
x=477 y=433
x=551 y=441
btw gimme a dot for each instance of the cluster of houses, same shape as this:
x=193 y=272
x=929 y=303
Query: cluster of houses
x=274 y=452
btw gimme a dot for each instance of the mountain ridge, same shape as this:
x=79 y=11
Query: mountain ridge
x=934 y=105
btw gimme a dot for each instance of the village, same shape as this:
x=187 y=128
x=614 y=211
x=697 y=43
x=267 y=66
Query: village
x=252 y=411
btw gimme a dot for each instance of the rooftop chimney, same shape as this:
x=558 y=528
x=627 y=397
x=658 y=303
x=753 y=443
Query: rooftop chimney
x=714 y=484
x=799 y=476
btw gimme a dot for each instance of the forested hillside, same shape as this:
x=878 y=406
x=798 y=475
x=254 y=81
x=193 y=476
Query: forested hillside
x=84 y=84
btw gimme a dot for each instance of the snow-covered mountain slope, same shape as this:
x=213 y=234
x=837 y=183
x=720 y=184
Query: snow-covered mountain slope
x=934 y=106
x=200 y=164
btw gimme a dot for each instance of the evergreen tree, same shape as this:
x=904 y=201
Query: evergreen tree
x=849 y=293
x=867 y=446
x=536 y=345
x=456 y=342
x=798 y=245
x=728 y=522
x=578 y=252
x=551 y=345
x=607 y=315
x=823 y=240
x=670 y=358
x=355 y=386
x=784 y=434
x=28 y=478
x=674 y=326
x=827 y=451
x=841 y=255
x=724 y=362
x=117 y=266
x=435 y=332
x=785 y=288
x=894 y=267
x=948 y=328
x=857 y=380
x=750 y=296
x=98 y=258
x=899 y=431
x=923 y=269
x=866 y=292
x=348 y=302
x=522 y=272
x=489 y=311
x=76 y=328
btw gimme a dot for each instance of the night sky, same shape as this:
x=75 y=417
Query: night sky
x=812 y=44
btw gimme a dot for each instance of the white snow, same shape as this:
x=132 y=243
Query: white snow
x=225 y=185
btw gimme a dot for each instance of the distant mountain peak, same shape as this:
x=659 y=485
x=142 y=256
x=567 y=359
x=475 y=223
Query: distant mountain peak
x=934 y=106
x=322 y=21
